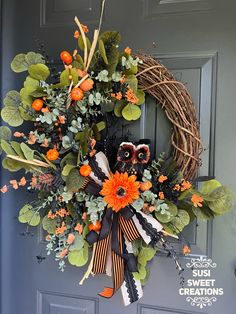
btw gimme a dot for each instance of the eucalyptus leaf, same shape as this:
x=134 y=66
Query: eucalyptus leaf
x=19 y=64
x=131 y=112
x=141 y=96
x=78 y=243
x=39 y=71
x=17 y=148
x=25 y=213
x=132 y=82
x=10 y=113
x=209 y=186
x=224 y=200
x=79 y=257
x=5 y=133
x=119 y=106
x=171 y=212
x=66 y=170
x=49 y=225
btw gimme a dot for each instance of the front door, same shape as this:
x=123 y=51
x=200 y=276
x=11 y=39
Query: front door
x=194 y=38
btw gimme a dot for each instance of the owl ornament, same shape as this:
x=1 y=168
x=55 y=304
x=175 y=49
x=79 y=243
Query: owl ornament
x=112 y=244
x=132 y=158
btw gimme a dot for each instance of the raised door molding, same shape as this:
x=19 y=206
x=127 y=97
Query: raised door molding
x=152 y=8
x=148 y=309
x=54 y=13
x=58 y=303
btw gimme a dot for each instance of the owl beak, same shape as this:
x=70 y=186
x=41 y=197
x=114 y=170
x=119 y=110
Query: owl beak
x=134 y=161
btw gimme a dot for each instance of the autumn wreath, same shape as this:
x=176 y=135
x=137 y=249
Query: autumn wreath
x=95 y=189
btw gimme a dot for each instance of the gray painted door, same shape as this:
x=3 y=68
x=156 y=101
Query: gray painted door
x=196 y=39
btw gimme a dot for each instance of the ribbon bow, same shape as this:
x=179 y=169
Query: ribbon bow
x=113 y=254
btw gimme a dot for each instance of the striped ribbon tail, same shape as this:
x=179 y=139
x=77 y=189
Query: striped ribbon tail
x=100 y=257
x=117 y=268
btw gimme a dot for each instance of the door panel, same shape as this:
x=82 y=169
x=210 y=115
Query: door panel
x=187 y=36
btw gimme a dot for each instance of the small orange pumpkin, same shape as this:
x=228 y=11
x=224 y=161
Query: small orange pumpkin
x=52 y=154
x=37 y=104
x=66 y=57
x=85 y=170
x=77 y=94
x=87 y=85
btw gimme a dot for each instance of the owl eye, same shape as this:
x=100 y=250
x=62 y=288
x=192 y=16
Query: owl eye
x=140 y=155
x=127 y=154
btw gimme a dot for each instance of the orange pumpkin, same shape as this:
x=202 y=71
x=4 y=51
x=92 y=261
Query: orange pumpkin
x=77 y=94
x=37 y=104
x=95 y=227
x=66 y=57
x=85 y=170
x=87 y=85
x=52 y=154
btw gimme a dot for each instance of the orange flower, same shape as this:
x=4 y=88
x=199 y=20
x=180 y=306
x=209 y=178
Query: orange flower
x=145 y=186
x=161 y=196
x=151 y=208
x=4 y=189
x=120 y=190
x=62 y=229
x=14 y=184
x=76 y=34
x=186 y=250
x=22 y=181
x=62 y=212
x=33 y=181
x=63 y=253
x=84 y=216
x=162 y=178
x=197 y=200
x=51 y=215
x=131 y=97
x=176 y=187
x=48 y=237
x=78 y=228
x=123 y=79
x=62 y=119
x=118 y=95
x=70 y=238
x=128 y=50
x=185 y=185
x=75 y=52
x=32 y=139
x=46 y=109
x=19 y=134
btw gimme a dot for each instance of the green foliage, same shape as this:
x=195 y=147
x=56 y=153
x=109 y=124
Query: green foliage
x=223 y=200
x=132 y=81
x=6 y=147
x=180 y=221
x=22 y=61
x=39 y=71
x=5 y=133
x=81 y=43
x=28 y=152
x=66 y=170
x=169 y=213
x=64 y=77
x=74 y=181
x=131 y=112
x=10 y=112
x=28 y=215
x=145 y=255
x=49 y=224
x=141 y=96
x=102 y=51
x=79 y=257
x=209 y=186
x=119 y=106
x=78 y=243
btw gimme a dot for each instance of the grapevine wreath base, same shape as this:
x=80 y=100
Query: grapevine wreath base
x=101 y=199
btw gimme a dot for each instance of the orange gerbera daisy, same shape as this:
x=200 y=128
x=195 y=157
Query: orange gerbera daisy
x=120 y=190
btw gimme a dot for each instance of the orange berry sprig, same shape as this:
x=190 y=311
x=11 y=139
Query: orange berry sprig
x=14 y=184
